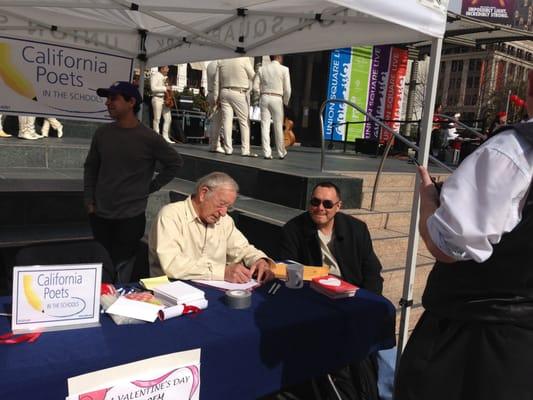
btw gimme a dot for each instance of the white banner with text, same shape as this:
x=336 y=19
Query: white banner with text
x=49 y=80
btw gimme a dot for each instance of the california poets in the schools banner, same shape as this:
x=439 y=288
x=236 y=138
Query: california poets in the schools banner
x=497 y=11
x=44 y=79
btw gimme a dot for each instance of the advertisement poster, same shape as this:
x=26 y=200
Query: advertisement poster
x=43 y=79
x=173 y=376
x=496 y=11
x=56 y=297
x=361 y=62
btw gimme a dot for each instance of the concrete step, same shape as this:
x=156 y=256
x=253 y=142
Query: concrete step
x=391 y=180
x=393 y=244
x=393 y=283
x=381 y=219
x=388 y=197
x=388 y=180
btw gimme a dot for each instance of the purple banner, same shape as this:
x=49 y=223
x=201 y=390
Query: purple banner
x=380 y=56
x=379 y=72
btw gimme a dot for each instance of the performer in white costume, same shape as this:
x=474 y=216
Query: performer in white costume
x=158 y=86
x=215 y=115
x=55 y=124
x=27 y=128
x=274 y=83
x=232 y=82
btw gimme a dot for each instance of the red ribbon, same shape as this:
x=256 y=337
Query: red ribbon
x=9 y=338
x=191 y=309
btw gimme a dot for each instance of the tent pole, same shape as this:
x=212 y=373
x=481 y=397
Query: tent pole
x=412 y=250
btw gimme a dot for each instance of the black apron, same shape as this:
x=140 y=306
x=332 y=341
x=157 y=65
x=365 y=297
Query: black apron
x=475 y=339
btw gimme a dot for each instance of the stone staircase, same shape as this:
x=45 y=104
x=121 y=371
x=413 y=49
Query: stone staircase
x=389 y=227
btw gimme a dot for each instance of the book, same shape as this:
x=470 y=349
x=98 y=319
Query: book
x=333 y=287
x=177 y=292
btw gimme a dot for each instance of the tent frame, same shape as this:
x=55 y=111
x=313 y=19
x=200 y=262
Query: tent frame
x=328 y=15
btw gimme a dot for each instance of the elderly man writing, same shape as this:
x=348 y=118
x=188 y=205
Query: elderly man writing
x=196 y=239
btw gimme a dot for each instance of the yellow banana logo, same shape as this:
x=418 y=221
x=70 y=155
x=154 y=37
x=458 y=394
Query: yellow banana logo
x=31 y=296
x=12 y=77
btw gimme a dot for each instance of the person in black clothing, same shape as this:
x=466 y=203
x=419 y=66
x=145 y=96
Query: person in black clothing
x=475 y=338
x=325 y=236
x=119 y=176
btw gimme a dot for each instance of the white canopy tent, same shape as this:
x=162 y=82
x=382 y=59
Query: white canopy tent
x=159 y=32
x=166 y=31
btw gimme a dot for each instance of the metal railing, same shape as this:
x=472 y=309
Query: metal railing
x=462 y=125
x=396 y=135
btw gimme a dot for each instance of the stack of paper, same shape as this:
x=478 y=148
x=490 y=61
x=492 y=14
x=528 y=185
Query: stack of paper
x=178 y=292
x=151 y=283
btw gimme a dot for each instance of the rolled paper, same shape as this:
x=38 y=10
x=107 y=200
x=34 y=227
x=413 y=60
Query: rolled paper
x=180 y=309
x=238 y=299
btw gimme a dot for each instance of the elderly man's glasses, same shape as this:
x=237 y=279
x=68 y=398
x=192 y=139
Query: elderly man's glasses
x=328 y=204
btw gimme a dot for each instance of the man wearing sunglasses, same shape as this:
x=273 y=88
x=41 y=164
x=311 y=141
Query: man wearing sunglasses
x=325 y=236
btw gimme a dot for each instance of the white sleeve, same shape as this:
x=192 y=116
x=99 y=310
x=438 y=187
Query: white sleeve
x=286 y=87
x=480 y=201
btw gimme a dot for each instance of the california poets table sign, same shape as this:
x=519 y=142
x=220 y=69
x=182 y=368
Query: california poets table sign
x=56 y=297
x=174 y=376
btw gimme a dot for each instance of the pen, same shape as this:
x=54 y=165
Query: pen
x=276 y=289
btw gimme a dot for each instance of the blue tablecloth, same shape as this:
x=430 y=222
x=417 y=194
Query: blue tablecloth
x=280 y=340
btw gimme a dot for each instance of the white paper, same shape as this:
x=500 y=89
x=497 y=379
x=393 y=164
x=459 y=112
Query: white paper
x=179 y=292
x=134 y=309
x=228 y=285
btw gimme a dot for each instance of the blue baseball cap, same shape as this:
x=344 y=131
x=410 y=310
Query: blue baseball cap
x=123 y=88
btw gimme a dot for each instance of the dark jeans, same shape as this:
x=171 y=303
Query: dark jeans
x=120 y=237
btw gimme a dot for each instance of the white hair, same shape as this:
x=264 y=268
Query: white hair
x=215 y=180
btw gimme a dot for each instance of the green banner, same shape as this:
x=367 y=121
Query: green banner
x=359 y=80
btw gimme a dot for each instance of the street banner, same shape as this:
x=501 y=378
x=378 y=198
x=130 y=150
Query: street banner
x=339 y=79
x=378 y=82
x=496 y=11
x=49 y=80
x=373 y=77
x=360 y=74
x=394 y=92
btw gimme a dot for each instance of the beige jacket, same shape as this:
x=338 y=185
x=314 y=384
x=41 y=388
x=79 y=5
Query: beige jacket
x=181 y=246
x=274 y=78
x=233 y=73
x=211 y=71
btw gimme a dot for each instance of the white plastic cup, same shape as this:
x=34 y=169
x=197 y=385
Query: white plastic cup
x=295 y=276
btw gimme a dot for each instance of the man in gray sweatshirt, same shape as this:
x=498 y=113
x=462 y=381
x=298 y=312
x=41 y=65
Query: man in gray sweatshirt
x=119 y=176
